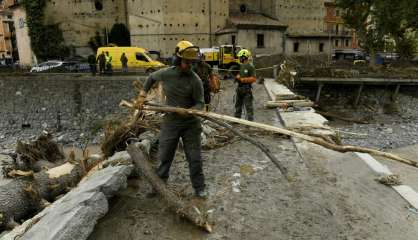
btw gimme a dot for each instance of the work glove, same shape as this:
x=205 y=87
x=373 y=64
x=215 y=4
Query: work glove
x=238 y=77
x=139 y=103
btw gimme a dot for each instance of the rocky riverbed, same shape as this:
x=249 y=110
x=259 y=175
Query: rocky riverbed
x=391 y=123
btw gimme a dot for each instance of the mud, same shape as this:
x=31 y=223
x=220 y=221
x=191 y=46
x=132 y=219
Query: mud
x=330 y=198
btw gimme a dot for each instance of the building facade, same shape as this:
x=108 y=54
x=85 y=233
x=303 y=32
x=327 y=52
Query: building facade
x=6 y=32
x=26 y=56
x=264 y=26
x=341 y=36
x=161 y=24
x=79 y=20
x=249 y=26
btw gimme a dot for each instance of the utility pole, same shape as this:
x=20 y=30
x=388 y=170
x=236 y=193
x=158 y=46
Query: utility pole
x=210 y=23
x=330 y=44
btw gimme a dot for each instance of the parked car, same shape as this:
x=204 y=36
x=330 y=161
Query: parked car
x=46 y=66
x=349 y=54
x=61 y=67
x=386 y=57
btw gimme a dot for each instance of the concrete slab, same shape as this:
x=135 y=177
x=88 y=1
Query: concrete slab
x=275 y=89
x=297 y=119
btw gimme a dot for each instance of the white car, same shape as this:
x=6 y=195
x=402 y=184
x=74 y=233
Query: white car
x=46 y=66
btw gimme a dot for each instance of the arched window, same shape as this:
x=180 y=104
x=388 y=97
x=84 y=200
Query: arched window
x=243 y=8
x=98 y=5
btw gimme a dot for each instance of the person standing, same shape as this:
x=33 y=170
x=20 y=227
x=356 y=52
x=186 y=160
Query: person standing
x=182 y=88
x=124 y=61
x=204 y=71
x=101 y=59
x=92 y=63
x=108 y=63
x=245 y=78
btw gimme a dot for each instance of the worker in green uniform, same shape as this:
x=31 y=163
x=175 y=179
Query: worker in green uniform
x=245 y=79
x=182 y=88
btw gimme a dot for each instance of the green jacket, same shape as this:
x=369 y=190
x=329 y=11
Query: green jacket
x=182 y=89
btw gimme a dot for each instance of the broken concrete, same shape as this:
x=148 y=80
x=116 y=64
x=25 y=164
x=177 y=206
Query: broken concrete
x=75 y=215
x=307 y=118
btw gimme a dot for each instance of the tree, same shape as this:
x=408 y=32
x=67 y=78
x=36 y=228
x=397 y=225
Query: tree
x=96 y=42
x=47 y=41
x=375 y=20
x=120 y=35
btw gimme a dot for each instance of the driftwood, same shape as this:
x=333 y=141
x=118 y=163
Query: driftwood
x=192 y=213
x=315 y=140
x=288 y=97
x=261 y=146
x=115 y=138
x=288 y=103
x=22 y=196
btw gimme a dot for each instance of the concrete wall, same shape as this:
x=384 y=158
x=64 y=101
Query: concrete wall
x=79 y=20
x=160 y=25
x=26 y=56
x=254 y=6
x=71 y=102
x=273 y=40
x=308 y=46
x=302 y=16
x=251 y=5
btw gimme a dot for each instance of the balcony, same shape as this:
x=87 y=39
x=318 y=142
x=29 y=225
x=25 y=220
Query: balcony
x=344 y=33
x=7 y=35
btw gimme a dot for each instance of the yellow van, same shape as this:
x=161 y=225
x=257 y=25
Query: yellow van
x=137 y=58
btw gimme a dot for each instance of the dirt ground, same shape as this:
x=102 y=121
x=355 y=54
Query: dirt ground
x=333 y=196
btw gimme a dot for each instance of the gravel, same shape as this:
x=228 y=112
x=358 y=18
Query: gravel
x=391 y=124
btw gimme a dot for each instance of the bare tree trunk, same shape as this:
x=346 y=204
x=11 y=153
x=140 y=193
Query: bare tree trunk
x=22 y=196
x=315 y=140
x=192 y=213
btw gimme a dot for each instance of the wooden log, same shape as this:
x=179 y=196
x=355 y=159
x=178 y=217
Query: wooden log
x=315 y=140
x=191 y=213
x=280 y=97
x=22 y=196
x=286 y=104
x=261 y=146
x=338 y=116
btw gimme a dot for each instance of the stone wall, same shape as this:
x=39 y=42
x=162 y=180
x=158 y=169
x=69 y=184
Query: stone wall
x=60 y=101
x=80 y=20
x=160 y=25
x=302 y=16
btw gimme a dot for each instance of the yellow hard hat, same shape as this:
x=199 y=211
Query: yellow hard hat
x=244 y=53
x=183 y=45
x=186 y=50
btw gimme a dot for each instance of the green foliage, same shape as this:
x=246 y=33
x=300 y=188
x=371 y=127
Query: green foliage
x=47 y=41
x=119 y=35
x=96 y=42
x=376 y=19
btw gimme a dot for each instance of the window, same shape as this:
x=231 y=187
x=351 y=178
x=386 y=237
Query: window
x=228 y=50
x=233 y=40
x=321 y=47
x=336 y=43
x=243 y=8
x=260 y=40
x=296 y=47
x=337 y=28
x=98 y=5
x=141 y=57
x=347 y=42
